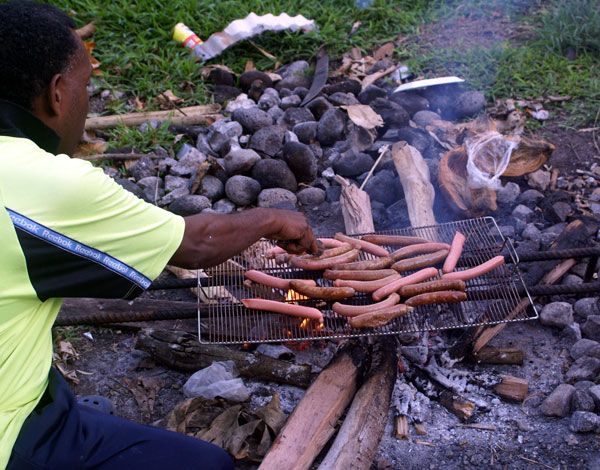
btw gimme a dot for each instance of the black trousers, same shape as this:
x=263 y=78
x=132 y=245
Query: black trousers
x=63 y=435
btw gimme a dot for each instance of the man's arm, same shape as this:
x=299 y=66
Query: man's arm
x=210 y=239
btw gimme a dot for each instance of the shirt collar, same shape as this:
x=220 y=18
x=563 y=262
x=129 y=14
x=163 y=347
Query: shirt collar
x=16 y=121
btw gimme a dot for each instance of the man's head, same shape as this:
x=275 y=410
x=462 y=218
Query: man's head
x=44 y=67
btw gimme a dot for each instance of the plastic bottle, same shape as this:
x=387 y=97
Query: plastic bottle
x=186 y=37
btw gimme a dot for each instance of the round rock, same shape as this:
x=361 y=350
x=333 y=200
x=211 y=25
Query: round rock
x=509 y=193
x=273 y=196
x=223 y=206
x=559 y=314
x=252 y=119
x=306 y=131
x=344 y=86
x=242 y=190
x=311 y=197
x=319 y=106
x=583 y=307
x=352 y=163
x=584 y=368
x=468 y=104
x=591 y=328
x=240 y=161
x=343 y=99
x=584 y=421
x=247 y=79
x=370 y=93
x=301 y=160
x=393 y=114
x=585 y=347
x=418 y=138
x=299 y=67
x=331 y=126
x=293 y=116
x=189 y=205
x=425 y=117
x=411 y=102
x=211 y=187
x=384 y=186
x=558 y=403
x=582 y=401
x=272 y=173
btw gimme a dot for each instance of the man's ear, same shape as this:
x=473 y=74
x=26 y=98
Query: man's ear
x=54 y=95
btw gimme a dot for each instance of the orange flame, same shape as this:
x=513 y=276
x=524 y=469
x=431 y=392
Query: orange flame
x=304 y=323
x=292 y=296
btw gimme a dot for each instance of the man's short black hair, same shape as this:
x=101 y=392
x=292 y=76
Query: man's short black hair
x=36 y=43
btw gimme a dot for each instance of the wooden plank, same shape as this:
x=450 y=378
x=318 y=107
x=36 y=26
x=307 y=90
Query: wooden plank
x=512 y=388
x=314 y=420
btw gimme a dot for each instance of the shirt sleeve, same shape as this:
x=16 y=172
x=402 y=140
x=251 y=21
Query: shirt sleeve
x=84 y=235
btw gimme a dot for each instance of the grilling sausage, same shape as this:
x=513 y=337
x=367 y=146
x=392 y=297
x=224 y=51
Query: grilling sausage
x=421 y=261
x=405 y=281
x=363 y=245
x=455 y=251
x=354 y=310
x=379 y=317
x=366 y=286
x=375 y=263
x=477 y=270
x=432 y=286
x=439 y=297
x=393 y=240
x=272 y=281
x=412 y=250
x=328 y=293
x=315 y=264
x=330 y=252
x=358 y=274
x=282 y=307
x=330 y=242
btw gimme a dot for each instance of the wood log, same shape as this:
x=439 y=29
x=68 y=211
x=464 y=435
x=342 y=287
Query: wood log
x=416 y=183
x=181 y=350
x=512 y=388
x=358 y=438
x=356 y=208
x=313 y=421
x=86 y=31
x=490 y=355
x=401 y=427
x=205 y=114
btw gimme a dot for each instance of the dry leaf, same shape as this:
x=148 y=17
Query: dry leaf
x=274 y=76
x=363 y=115
x=370 y=79
x=90 y=148
x=355 y=53
x=205 y=71
x=249 y=66
x=385 y=51
x=89 y=47
x=140 y=105
x=144 y=390
x=167 y=99
x=262 y=51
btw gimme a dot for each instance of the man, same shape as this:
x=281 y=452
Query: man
x=68 y=230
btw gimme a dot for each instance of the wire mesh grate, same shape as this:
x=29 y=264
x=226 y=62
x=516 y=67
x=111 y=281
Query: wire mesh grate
x=491 y=299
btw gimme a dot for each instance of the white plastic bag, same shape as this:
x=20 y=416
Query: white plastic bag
x=488 y=155
x=218 y=379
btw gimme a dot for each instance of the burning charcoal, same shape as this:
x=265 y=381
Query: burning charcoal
x=468 y=104
x=412 y=103
x=352 y=163
x=293 y=116
x=300 y=91
x=539 y=179
x=319 y=106
x=509 y=193
x=311 y=197
x=370 y=93
x=425 y=117
x=591 y=328
x=294 y=81
x=252 y=119
x=584 y=368
x=343 y=99
x=584 y=421
x=248 y=78
x=291 y=101
x=220 y=77
x=582 y=401
x=274 y=174
x=331 y=126
x=211 y=187
x=559 y=314
x=299 y=67
x=189 y=205
x=393 y=114
x=558 y=403
x=306 y=131
x=585 y=347
x=241 y=102
x=242 y=190
x=223 y=206
x=344 y=86
x=384 y=186
x=222 y=93
x=587 y=306
x=268 y=140
x=301 y=160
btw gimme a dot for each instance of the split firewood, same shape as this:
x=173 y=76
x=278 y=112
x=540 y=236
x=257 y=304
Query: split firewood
x=359 y=436
x=356 y=208
x=313 y=421
x=416 y=183
x=512 y=388
x=490 y=355
x=182 y=351
x=205 y=114
x=401 y=427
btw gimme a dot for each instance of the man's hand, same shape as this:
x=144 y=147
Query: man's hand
x=293 y=232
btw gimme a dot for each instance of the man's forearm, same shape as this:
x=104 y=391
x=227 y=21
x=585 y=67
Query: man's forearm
x=210 y=239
